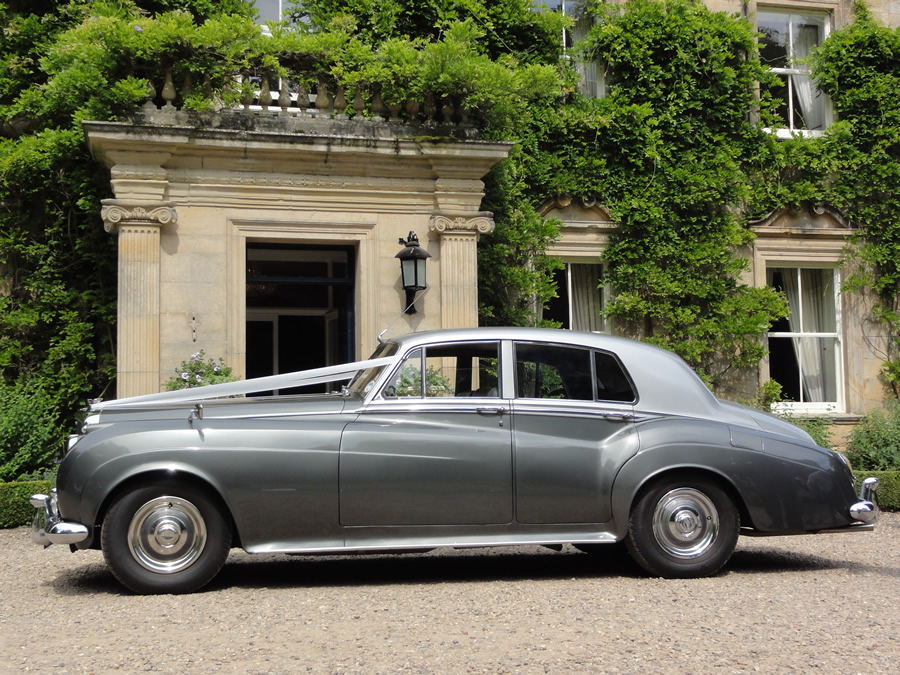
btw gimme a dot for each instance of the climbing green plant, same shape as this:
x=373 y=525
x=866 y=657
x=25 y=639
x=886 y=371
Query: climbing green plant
x=65 y=62
x=670 y=152
x=61 y=63
x=854 y=167
x=859 y=67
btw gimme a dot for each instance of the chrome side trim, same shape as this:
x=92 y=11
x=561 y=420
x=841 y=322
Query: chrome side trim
x=47 y=528
x=400 y=544
x=858 y=527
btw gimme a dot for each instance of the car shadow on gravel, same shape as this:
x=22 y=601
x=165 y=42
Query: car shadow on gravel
x=445 y=566
x=90 y=579
x=779 y=560
x=283 y=571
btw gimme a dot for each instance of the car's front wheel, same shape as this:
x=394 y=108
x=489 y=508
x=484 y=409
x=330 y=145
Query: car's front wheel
x=683 y=527
x=168 y=537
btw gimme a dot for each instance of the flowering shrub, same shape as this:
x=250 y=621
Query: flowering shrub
x=199 y=371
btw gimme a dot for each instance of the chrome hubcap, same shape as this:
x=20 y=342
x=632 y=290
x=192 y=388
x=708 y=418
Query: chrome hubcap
x=685 y=523
x=167 y=535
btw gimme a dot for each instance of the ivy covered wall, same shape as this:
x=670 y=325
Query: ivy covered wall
x=676 y=152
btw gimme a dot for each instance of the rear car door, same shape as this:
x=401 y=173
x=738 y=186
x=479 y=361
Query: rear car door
x=573 y=427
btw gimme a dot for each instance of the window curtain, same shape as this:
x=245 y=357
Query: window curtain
x=586 y=300
x=805 y=37
x=810 y=299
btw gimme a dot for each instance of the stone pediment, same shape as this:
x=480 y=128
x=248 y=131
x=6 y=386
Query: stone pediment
x=807 y=220
x=576 y=212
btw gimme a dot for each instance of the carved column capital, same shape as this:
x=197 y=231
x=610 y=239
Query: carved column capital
x=116 y=214
x=482 y=223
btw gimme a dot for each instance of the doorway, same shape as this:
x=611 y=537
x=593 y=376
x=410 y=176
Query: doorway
x=300 y=302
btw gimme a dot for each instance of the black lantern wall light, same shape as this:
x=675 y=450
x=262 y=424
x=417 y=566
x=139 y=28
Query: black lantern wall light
x=412 y=269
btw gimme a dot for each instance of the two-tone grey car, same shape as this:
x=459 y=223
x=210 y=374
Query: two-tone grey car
x=459 y=438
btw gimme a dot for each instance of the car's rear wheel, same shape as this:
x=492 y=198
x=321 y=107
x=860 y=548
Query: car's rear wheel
x=683 y=527
x=169 y=537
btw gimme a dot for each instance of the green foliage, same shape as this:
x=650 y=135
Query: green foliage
x=199 y=371
x=49 y=475
x=855 y=167
x=767 y=394
x=669 y=152
x=888 y=496
x=514 y=270
x=30 y=433
x=62 y=63
x=874 y=444
x=15 y=509
x=817 y=427
x=509 y=27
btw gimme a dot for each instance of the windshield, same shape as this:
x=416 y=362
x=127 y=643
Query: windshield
x=364 y=380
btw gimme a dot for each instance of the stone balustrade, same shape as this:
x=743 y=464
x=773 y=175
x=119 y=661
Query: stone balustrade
x=443 y=116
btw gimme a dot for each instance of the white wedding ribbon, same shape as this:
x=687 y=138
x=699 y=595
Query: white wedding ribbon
x=302 y=378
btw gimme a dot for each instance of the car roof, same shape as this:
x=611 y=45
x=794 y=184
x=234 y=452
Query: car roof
x=665 y=383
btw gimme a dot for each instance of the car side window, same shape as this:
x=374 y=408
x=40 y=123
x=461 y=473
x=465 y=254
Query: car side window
x=459 y=369
x=612 y=382
x=463 y=369
x=407 y=381
x=553 y=371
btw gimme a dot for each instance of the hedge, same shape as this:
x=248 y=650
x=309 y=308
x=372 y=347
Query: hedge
x=15 y=510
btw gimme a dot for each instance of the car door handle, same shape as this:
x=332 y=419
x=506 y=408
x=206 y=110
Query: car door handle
x=491 y=411
x=618 y=417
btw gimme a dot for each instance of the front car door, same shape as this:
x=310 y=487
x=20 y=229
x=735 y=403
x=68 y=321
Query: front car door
x=434 y=447
x=573 y=426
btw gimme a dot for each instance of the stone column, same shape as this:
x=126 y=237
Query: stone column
x=459 y=266
x=138 y=294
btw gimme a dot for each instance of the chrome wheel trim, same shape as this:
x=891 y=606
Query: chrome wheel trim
x=685 y=523
x=167 y=535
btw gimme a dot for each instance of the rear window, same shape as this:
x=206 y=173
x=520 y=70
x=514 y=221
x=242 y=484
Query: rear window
x=575 y=373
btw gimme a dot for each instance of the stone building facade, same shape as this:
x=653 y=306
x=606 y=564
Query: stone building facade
x=269 y=237
x=275 y=248
x=828 y=355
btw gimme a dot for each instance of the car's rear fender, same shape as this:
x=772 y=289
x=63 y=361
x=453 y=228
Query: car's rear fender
x=788 y=487
x=648 y=467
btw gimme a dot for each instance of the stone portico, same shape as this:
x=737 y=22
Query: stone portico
x=190 y=199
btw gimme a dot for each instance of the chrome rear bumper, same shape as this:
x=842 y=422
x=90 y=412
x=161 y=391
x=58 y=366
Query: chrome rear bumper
x=48 y=528
x=866 y=510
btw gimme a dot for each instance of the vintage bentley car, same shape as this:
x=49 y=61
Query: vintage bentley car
x=461 y=438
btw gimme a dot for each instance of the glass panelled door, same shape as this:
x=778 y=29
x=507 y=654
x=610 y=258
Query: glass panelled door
x=299 y=308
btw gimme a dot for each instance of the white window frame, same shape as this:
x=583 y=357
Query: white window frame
x=593 y=83
x=799 y=69
x=810 y=407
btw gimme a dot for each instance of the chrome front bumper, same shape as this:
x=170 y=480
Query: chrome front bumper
x=866 y=510
x=48 y=528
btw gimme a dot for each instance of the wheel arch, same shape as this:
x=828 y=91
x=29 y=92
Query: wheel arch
x=149 y=475
x=631 y=484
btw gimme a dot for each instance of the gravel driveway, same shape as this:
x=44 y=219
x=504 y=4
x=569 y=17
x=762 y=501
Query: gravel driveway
x=828 y=603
